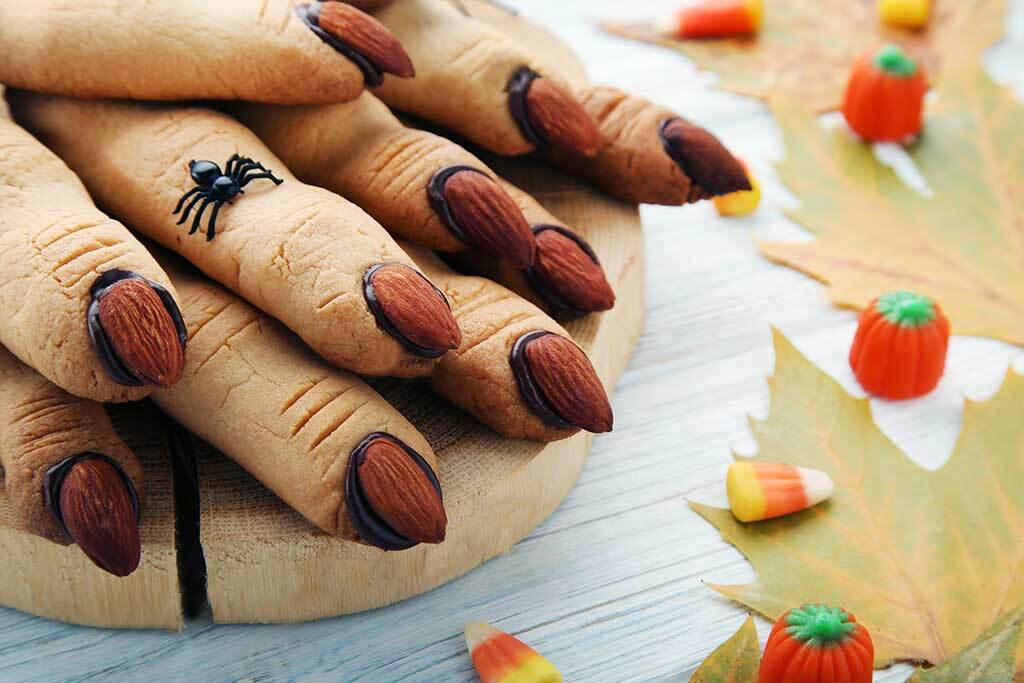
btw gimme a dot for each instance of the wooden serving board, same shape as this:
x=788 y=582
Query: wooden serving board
x=263 y=561
x=266 y=563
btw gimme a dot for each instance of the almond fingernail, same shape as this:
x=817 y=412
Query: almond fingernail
x=549 y=116
x=479 y=212
x=411 y=309
x=558 y=382
x=359 y=37
x=136 y=330
x=567 y=274
x=710 y=166
x=96 y=503
x=393 y=496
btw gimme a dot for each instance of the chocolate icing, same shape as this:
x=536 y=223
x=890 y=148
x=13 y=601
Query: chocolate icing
x=310 y=15
x=54 y=479
x=118 y=371
x=438 y=201
x=382 y=318
x=550 y=298
x=528 y=388
x=368 y=524
x=518 y=87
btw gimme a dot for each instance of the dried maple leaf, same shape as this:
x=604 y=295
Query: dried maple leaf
x=737 y=660
x=989 y=658
x=806 y=47
x=927 y=560
x=964 y=247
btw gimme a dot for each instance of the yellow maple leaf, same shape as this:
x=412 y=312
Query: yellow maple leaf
x=927 y=560
x=805 y=48
x=964 y=246
x=737 y=660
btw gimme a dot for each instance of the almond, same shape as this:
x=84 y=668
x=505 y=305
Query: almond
x=363 y=34
x=558 y=382
x=560 y=120
x=567 y=273
x=99 y=515
x=487 y=218
x=399 y=492
x=411 y=309
x=141 y=332
x=712 y=168
x=550 y=117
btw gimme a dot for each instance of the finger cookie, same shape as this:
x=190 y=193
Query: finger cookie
x=320 y=438
x=481 y=84
x=652 y=155
x=430 y=191
x=81 y=300
x=273 y=51
x=68 y=476
x=420 y=186
x=644 y=153
x=517 y=371
x=300 y=253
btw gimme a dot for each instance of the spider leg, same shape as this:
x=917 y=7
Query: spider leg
x=211 y=229
x=188 y=209
x=232 y=162
x=242 y=169
x=246 y=179
x=199 y=215
x=181 y=202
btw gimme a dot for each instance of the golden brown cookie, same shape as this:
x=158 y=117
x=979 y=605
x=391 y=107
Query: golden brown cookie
x=270 y=51
x=652 y=155
x=420 y=186
x=517 y=371
x=68 y=476
x=320 y=438
x=302 y=254
x=81 y=300
x=481 y=84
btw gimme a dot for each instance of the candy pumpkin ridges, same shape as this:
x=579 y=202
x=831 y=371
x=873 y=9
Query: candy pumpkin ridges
x=884 y=97
x=820 y=644
x=899 y=351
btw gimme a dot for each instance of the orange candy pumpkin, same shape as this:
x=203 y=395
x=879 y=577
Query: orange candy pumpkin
x=899 y=351
x=820 y=644
x=884 y=98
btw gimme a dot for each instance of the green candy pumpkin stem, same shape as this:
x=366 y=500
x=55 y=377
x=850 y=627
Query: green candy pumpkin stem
x=906 y=308
x=892 y=59
x=819 y=625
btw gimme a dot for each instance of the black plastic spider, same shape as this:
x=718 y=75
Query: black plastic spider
x=214 y=187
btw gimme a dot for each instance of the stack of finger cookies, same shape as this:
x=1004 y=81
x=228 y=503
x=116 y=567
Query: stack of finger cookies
x=257 y=265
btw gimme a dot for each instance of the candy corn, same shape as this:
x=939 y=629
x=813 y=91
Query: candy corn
x=501 y=658
x=742 y=202
x=761 y=490
x=716 y=19
x=904 y=13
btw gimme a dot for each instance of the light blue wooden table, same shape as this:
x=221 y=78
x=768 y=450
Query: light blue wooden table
x=609 y=588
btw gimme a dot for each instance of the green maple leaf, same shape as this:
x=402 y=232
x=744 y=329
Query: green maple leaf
x=964 y=246
x=737 y=660
x=927 y=560
x=990 y=658
x=805 y=49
